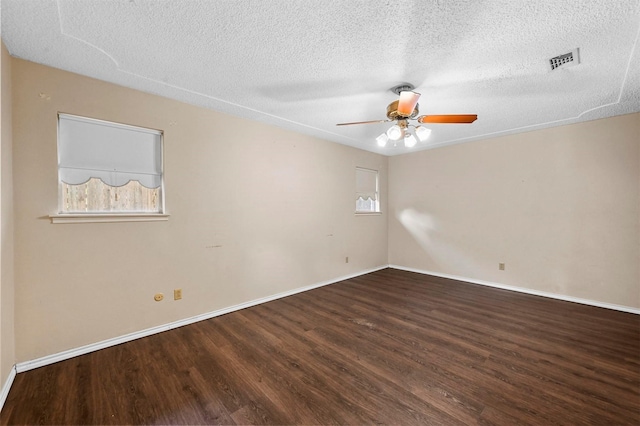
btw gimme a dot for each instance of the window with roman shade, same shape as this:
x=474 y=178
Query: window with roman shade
x=106 y=167
x=367 y=194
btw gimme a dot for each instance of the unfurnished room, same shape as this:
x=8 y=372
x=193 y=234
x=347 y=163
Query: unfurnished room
x=320 y=212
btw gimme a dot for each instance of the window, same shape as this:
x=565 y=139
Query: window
x=106 y=167
x=367 y=194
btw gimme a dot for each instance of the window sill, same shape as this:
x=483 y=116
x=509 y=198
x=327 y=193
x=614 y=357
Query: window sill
x=368 y=213
x=107 y=217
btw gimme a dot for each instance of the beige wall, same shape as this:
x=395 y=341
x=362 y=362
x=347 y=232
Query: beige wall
x=561 y=207
x=255 y=211
x=7 y=338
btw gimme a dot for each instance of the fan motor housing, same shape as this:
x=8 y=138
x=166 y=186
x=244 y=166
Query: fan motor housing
x=392 y=111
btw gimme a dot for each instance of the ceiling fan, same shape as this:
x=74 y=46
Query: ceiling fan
x=405 y=109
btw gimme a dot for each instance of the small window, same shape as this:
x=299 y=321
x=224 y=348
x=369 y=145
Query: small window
x=106 y=167
x=367 y=194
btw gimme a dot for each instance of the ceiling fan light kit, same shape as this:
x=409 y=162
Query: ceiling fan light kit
x=382 y=140
x=395 y=133
x=410 y=134
x=410 y=140
x=422 y=133
x=405 y=109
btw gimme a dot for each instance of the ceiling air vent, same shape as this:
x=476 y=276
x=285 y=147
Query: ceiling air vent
x=567 y=60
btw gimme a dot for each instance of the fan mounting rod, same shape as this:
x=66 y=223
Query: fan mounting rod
x=402 y=87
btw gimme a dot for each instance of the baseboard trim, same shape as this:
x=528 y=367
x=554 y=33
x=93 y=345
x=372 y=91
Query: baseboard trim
x=612 y=306
x=7 y=386
x=71 y=353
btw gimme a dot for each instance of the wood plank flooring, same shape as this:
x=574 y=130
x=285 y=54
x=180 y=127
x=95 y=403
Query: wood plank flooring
x=390 y=347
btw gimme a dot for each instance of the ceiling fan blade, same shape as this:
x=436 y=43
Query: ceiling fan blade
x=448 y=118
x=363 y=122
x=407 y=103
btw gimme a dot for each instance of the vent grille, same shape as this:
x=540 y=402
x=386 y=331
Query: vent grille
x=567 y=60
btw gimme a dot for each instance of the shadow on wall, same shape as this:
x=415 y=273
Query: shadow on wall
x=440 y=255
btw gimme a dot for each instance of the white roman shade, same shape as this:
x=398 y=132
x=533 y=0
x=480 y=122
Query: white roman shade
x=366 y=184
x=114 y=153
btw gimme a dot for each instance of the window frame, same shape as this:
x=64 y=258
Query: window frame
x=378 y=209
x=109 y=216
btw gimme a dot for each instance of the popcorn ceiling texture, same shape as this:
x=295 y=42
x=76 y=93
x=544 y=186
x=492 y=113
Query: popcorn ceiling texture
x=306 y=65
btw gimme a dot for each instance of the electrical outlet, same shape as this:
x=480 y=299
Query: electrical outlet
x=501 y=266
x=177 y=294
x=158 y=297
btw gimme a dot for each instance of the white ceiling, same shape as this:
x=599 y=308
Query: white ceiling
x=306 y=65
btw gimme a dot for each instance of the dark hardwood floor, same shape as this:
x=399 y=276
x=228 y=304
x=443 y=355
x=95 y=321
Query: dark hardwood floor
x=389 y=347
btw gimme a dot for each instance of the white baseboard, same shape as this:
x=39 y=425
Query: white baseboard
x=524 y=290
x=61 y=356
x=7 y=386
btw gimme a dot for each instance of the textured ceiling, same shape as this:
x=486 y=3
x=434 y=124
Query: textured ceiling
x=306 y=65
